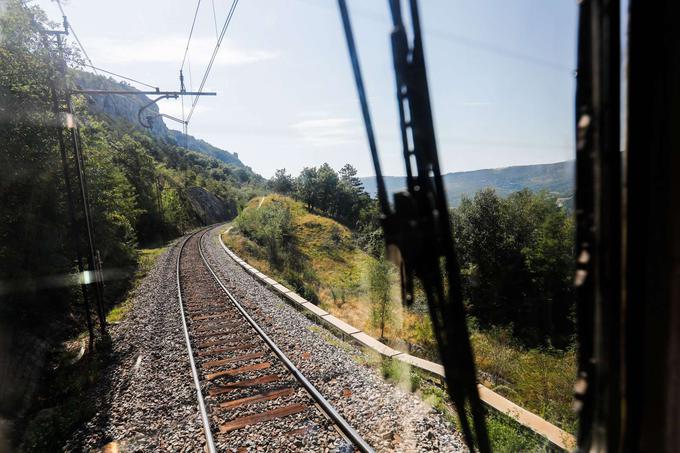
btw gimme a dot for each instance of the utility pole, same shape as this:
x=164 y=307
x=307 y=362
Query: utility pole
x=69 y=196
x=63 y=109
x=82 y=179
x=91 y=276
x=159 y=197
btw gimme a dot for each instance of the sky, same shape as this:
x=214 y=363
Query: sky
x=501 y=76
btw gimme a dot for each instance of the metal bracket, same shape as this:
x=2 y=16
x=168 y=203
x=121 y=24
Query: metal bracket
x=149 y=118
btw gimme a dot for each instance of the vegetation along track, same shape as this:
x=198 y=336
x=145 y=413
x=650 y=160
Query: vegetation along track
x=246 y=387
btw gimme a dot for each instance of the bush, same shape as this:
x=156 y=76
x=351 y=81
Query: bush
x=270 y=226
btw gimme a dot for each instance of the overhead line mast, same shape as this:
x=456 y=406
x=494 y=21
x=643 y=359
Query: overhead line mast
x=64 y=111
x=157 y=91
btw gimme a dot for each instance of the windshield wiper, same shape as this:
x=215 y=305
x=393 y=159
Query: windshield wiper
x=417 y=227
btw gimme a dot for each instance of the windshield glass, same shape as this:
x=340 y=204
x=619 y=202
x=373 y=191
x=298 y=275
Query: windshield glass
x=191 y=227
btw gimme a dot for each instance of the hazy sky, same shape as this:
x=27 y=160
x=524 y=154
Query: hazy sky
x=501 y=76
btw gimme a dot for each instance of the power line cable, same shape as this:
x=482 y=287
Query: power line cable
x=212 y=58
x=191 y=81
x=191 y=32
x=89 y=60
x=121 y=76
x=461 y=40
x=75 y=35
x=185 y=122
x=215 y=18
x=491 y=48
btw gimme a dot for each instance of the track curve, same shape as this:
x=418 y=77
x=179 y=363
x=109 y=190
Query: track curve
x=244 y=382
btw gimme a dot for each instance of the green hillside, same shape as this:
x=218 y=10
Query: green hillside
x=315 y=255
x=556 y=178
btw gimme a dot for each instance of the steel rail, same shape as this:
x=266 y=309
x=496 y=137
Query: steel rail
x=201 y=403
x=323 y=403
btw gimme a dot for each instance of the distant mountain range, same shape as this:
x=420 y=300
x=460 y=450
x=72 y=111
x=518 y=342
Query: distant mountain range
x=126 y=108
x=556 y=178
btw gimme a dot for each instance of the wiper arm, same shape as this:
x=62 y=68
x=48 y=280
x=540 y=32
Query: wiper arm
x=417 y=228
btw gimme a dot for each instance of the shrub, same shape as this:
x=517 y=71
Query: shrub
x=270 y=226
x=381 y=300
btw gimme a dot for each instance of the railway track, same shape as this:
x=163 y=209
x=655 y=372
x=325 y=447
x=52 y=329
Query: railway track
x=246 y=387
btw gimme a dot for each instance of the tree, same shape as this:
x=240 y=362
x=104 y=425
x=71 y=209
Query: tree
x=327 y=189
x=516 y=256
x=42 y=303
x=340 y=196
x=36 y=249
x=305 y=187
x=485 y=253
x=549 y=261
x=351 y=200
x=272 y=228
x=282 y=182
x=348 y=175
x=379 y=289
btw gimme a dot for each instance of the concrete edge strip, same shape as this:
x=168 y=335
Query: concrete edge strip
x=491 y=399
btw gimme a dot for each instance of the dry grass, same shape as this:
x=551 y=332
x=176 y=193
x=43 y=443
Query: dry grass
x=145 y=261
x=539 y=380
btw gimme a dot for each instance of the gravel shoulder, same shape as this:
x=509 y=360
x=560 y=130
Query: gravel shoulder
x=389 y=418
x=147 y=401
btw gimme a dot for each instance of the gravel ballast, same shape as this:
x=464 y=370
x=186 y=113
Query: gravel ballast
x=304 y=428
x=388 y=418
x=148 y=402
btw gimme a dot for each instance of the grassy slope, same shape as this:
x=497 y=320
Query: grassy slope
x=540 y=381
x=339 y=268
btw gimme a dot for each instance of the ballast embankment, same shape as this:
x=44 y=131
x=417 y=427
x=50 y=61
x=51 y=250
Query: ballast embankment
x=555 y=436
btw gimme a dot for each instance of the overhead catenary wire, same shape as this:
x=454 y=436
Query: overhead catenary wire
x=121 y=76
x=212 y=58
x=459 y=39
x=191 y=79
x=191 y=33
x=215 y=19
x=75 y=35
x=89 y=63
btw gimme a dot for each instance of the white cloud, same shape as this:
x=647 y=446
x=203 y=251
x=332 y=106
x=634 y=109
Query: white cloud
x=170 y=50
x=328 y=131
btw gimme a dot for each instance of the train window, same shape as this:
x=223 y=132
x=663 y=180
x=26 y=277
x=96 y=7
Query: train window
x=306 y=225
